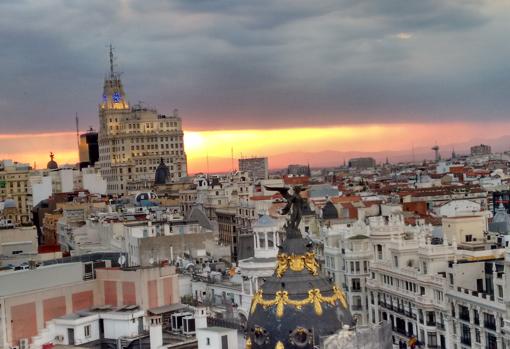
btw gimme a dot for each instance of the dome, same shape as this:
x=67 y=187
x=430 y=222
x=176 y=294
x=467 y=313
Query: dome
x=329 y=211
x=501 y=221
x=162 y=173
x=52 y=164
x=297 y=306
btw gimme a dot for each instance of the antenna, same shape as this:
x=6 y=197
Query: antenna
x=111 y=62
x=232 y=157
x=77 y=131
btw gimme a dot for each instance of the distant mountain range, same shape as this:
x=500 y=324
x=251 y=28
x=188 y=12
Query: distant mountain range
x=336 y=158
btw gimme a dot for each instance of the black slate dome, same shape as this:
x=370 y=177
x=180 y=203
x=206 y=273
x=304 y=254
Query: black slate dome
x=296 y=306
x=329 y=211
x=162 y=173
x=52 y=164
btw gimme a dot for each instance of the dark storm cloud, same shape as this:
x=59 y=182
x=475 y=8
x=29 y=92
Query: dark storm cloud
x=266 y=63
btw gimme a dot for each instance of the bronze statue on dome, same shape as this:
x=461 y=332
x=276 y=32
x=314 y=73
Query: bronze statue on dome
x=295 y=203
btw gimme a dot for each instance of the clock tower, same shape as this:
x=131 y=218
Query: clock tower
x=113 y=91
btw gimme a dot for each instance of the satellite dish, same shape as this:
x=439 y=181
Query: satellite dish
x=122 y=260
x=151 y=261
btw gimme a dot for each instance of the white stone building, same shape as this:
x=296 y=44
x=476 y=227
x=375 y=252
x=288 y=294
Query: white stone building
x=134 y=139
x=347 y=253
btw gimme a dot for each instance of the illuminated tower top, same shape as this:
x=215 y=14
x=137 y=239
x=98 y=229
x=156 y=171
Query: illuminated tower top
x=113 y=91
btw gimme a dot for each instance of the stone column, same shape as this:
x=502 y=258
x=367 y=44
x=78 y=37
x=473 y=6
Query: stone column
x=265 y=239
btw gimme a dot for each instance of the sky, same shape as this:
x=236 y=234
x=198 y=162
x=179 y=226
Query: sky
x=262 y=77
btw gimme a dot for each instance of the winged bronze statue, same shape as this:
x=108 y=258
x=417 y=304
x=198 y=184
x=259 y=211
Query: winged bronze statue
x=294 y=206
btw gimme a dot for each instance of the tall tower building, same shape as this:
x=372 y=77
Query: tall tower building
x=88 y=148
x=133 y=140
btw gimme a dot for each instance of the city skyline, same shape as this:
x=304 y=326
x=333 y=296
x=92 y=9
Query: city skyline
x=212 y=150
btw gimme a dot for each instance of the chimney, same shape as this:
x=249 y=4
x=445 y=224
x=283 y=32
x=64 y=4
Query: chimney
x=200 y=317
x=155 y=332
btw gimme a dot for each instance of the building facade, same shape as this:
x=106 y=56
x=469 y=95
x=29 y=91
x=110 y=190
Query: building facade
x=14 y=192
x=256 y=167
x=89 y=148
x=362 y=163
x=481 y=149
x=134 y=139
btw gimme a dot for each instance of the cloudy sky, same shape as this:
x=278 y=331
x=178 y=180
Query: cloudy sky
x=266 y=64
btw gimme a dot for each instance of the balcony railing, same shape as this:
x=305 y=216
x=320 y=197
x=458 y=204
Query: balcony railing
x=491 y=325
x=464 y=316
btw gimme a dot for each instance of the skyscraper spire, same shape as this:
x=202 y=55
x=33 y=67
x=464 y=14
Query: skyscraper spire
x=113 y=92
x=111 y=62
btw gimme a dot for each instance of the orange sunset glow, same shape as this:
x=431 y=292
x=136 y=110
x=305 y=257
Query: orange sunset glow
x=211 y=150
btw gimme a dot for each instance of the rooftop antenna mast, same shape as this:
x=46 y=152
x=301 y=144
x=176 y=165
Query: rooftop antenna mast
x=111 y=62
x=232 y=157
x=77 y=131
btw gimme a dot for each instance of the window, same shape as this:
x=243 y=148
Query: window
x=396 y=261
x=356 y=285
x=500 y=291
x=489 y=321
x=431 y=339
x=86 y=330
x=465 y=335
x=208 y=341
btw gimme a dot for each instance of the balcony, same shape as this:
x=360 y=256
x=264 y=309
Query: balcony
x=402 y=332
x=491 y=325
x=399 y=310
x=356 y=307
x=465 y=340
x=464 y=316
